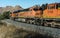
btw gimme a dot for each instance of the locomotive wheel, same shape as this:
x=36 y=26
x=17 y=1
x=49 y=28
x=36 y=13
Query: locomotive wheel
x=37 y=24
x=45 y=24
x=33 y=23
x=49 y=25
x=52 y=24
x=28 y=22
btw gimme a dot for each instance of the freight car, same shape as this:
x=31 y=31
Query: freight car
x=36 y=15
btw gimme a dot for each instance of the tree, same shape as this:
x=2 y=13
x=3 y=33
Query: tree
x=6 y=15
x=44 y=6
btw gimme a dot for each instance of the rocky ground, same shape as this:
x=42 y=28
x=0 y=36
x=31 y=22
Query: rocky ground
x=11 y=31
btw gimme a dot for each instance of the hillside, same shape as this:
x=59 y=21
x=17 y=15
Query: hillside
x=10 y=8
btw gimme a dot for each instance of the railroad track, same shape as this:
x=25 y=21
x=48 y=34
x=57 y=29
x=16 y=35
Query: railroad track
x=38 y=24
x=39 y=29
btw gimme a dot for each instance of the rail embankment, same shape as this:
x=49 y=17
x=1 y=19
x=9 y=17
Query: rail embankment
x=45 y=31
x=11 y=31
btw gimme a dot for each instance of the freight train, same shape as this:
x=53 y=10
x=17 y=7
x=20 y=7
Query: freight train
x=50 y=16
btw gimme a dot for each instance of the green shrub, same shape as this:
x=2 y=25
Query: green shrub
x=1 y=17
x=6 y=15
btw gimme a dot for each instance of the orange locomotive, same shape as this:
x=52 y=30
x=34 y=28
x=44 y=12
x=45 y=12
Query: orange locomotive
x=51 y=15
x=36 y=15
x=28 y=15
x=52 y=11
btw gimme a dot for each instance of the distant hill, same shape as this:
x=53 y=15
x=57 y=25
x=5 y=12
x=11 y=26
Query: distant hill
x=10 y=8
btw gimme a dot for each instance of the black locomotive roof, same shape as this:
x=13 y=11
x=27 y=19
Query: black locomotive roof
x=23 y=10
x=17 y=11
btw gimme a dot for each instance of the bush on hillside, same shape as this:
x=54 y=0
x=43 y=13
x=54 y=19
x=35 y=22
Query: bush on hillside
x=6 y=15
x=1 y=17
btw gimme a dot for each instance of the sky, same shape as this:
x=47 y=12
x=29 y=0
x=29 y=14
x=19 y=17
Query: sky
x=25 y=3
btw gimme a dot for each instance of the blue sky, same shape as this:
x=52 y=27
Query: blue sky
x=25 y=3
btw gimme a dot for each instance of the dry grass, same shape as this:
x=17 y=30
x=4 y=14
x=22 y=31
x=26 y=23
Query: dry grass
x=11 y=31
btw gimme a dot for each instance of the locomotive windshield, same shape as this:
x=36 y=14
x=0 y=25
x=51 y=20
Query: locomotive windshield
x=59 y=6
x=51 y=7
x=35 y=9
